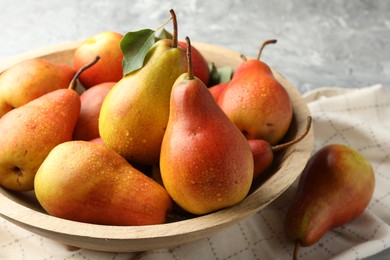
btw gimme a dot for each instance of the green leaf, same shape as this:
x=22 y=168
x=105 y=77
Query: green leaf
x=225 y=74
x=135 y=46
x=219 y=75
x=214 y=76
x=164 y=35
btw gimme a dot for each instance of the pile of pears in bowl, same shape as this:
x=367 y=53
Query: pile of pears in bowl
x=141 y=141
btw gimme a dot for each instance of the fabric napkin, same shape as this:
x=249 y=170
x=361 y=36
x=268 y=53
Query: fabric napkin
x=359 y=118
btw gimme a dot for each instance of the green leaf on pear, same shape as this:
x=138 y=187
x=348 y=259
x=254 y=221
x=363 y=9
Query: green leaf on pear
x=135 y=46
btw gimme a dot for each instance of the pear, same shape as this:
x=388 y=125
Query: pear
x=97 y=140
x=87 y=182
x=135 y=112
x=31 y=131
x=256 y=102
x=263 y=152
x=199 y=64
x=335 y=187
x=91 y=102
x=30 y=79
x=106 y=45
x=217 y=89
x=206 y=163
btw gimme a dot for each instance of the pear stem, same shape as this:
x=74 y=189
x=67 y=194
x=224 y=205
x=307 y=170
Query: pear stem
x=295 y=253
x=282 y=146
x=189 y=60
x=72 y=84
x=174 y=36
x=263 y=45
x=243 y=57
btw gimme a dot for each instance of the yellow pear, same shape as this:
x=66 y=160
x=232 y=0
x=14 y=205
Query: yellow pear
x=135 y=112
x=30 y=79
x=31 y=131
x=28 y=133
x=87 y=182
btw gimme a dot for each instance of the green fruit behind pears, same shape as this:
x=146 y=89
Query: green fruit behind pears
x=135 y=112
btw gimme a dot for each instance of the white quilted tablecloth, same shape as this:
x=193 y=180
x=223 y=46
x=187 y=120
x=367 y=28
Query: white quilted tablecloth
x=356 y=117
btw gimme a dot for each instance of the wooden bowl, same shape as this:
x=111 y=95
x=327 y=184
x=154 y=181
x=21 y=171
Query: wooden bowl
x=24 y=210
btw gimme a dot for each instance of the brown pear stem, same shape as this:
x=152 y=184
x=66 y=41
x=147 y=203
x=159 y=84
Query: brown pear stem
x=282 y=146
x=72 y=84
x=263 y=45
x=243 y=57
x=174 y=36
x=295 y=253
x=189 y=60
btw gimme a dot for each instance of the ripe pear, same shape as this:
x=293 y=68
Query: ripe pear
x=87 y=182
x=106 y=45
x=97 y=140
x=335 y=187
x=29 y=132
x=206 y=163
x=217 y=89
x=263 y=152
x=91 y=102
x=30 y=79
x=135 y=112
x=199 y=64
x=32 y=130
x=256 y=102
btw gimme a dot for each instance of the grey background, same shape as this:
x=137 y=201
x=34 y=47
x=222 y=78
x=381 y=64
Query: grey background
x=320 y=43
x=343 y=43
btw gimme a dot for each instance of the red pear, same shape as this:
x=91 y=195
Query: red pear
x=335 y=187
x=97 y=140
x=199 y=64
x=216 y=90
x=263 y=152
x=87 y=127
x=256 y=102
x=106 y=45
x=206 y=163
